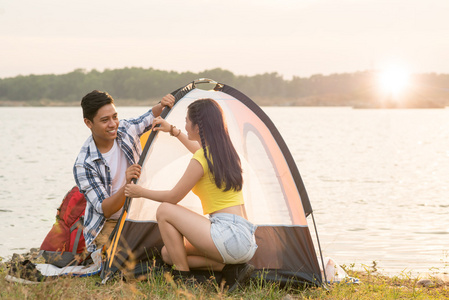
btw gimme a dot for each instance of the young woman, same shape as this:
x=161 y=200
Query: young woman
x=224 y=242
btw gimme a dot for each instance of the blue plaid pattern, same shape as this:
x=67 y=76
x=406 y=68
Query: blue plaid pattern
x=92 y=174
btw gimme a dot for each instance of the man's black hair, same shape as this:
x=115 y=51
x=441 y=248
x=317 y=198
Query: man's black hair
x=93 y=101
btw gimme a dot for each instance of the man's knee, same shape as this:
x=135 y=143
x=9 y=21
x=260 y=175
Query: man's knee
x=103 y=236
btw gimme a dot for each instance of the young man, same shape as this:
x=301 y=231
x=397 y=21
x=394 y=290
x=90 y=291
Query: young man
x=107 y=161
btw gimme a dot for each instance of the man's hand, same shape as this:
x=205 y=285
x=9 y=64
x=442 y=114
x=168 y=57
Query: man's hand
x=133 y=172
x=168 y=100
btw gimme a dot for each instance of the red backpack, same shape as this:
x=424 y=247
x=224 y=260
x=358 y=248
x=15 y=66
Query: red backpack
x=64 y=245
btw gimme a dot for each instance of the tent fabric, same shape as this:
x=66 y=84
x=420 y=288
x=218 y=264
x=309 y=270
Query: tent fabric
x=275 y=197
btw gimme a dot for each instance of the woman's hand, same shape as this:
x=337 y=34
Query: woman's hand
x=133 y=172
x=164 y=125
x=133 y=191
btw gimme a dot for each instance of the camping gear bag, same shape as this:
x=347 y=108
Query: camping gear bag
x=64 y=244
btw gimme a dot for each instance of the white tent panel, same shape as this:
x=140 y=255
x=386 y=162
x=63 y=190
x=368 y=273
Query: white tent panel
x=269 y=191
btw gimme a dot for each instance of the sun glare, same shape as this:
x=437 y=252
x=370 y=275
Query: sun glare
x=394 y=80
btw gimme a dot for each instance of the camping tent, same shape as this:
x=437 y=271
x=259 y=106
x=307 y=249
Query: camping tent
x=274 y=193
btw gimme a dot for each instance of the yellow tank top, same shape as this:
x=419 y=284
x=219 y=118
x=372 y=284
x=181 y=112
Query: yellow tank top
x=212 y=198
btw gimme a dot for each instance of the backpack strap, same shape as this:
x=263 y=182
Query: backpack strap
x=78 y=234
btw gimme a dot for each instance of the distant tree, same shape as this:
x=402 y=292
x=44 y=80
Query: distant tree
x=355 y=89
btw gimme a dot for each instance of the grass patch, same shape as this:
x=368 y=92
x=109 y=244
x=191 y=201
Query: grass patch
x=372 y=286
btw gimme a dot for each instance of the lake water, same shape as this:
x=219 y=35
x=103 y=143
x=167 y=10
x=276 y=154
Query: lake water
x=377 y=179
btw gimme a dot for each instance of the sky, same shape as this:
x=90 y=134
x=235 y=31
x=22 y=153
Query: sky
x=247 y=37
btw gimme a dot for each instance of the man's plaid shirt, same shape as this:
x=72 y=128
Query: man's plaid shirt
x=92 y=174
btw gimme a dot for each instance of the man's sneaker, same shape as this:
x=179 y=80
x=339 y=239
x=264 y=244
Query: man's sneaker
x=236 y=275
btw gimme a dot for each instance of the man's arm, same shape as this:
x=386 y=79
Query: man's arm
x=91 y=185
x=135 y=127
x=115 y=202
x=167 y=100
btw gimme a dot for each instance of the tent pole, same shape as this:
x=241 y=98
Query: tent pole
x=319 y=248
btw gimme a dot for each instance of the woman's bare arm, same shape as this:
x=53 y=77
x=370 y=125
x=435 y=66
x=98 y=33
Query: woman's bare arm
x=191 y=176
x=164 y=126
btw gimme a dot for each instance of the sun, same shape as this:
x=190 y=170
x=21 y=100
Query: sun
x=393 y=80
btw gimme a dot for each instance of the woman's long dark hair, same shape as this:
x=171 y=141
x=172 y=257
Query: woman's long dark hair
x=226 y=167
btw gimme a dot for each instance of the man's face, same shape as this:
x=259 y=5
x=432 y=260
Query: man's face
x=105 y=124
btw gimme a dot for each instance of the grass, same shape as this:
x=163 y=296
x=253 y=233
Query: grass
x=372 y=286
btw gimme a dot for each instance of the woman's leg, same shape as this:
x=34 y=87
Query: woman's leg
x=195 y=259
x=176 y=222
x=200 y=260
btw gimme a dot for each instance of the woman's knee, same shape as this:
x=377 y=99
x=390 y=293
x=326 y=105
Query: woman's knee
x=163 y=211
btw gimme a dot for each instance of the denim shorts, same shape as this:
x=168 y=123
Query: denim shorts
x=234 y=237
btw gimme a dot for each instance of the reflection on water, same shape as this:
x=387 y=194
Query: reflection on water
x=377 y=179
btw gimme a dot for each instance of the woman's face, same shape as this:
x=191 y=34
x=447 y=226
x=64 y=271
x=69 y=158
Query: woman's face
x=192 y=130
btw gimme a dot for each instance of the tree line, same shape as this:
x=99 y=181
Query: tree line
x=357 y=89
